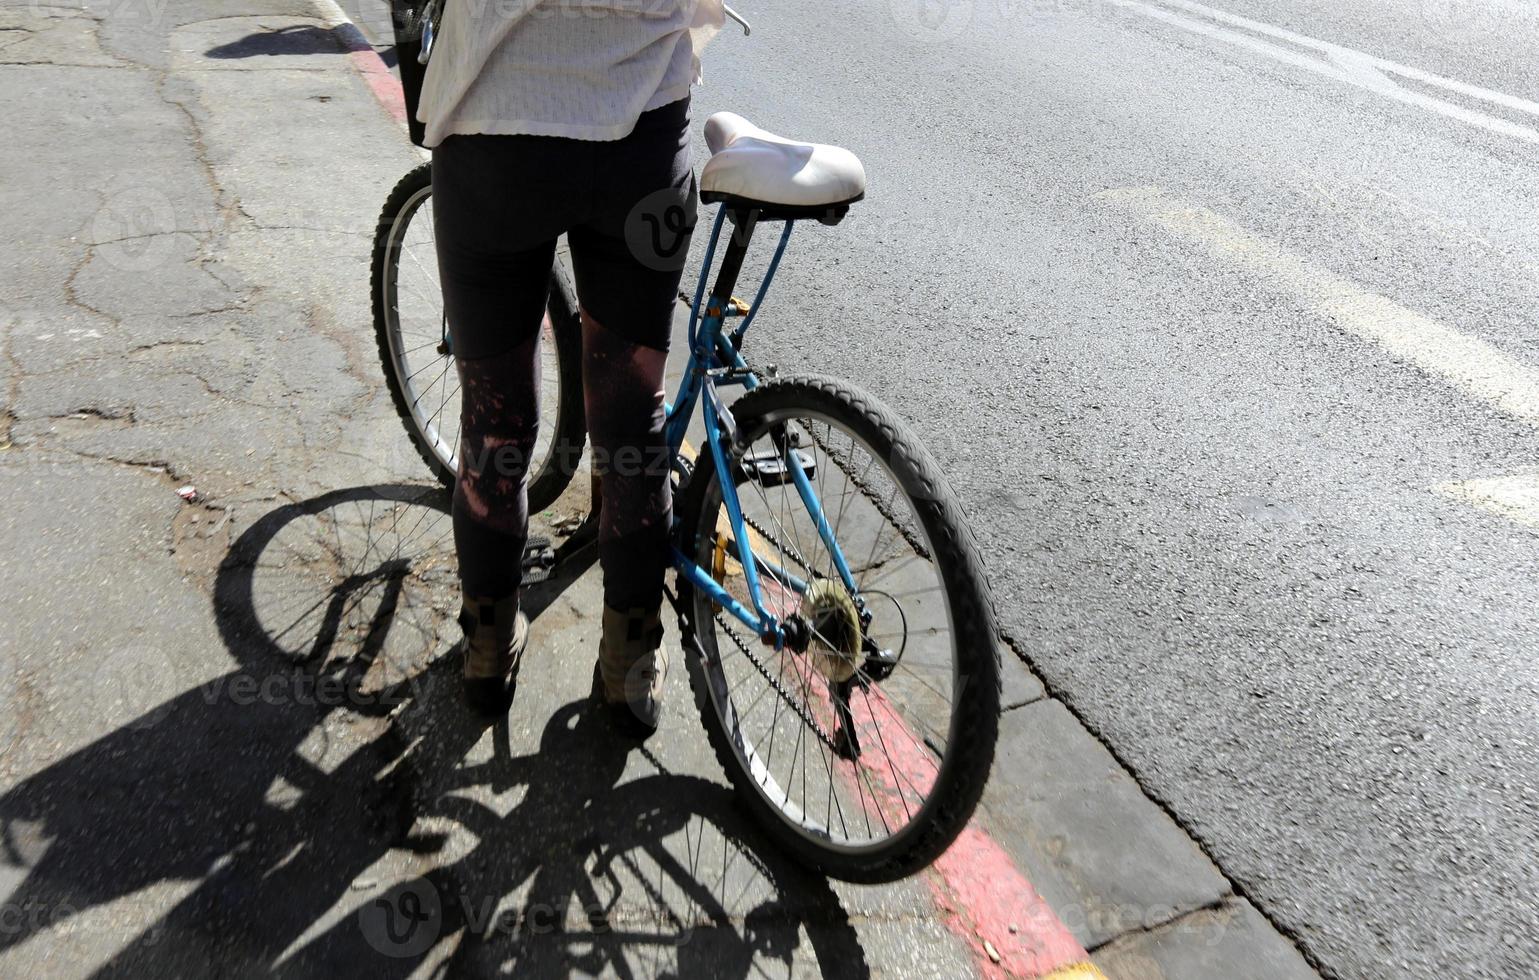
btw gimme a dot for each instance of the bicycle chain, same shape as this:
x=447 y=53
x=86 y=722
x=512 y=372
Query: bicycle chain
x=784 y=548
x=796 y=705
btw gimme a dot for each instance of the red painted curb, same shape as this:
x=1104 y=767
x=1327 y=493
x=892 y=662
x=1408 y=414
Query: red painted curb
x=381 y=80
x=986 y=899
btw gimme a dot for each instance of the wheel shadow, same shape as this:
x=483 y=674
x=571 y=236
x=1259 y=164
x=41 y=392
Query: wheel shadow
x=329 y=807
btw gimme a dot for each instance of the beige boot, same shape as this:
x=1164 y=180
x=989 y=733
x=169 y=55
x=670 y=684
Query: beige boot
x=633 y=663
x=496 y=633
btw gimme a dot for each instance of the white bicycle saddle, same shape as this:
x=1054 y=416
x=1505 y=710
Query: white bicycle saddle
x=754 y=166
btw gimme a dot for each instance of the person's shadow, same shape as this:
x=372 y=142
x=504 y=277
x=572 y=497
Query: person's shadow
x=319 y=809
x=298 y=39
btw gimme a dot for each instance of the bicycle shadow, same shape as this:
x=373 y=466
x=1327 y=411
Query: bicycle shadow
x=329 y=807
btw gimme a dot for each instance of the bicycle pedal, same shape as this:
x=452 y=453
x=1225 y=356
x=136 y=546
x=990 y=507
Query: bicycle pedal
x=539 y=560
x=770 y=469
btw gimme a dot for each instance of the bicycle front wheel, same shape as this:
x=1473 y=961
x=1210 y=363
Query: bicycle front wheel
x=863 y=745
x=418 y=362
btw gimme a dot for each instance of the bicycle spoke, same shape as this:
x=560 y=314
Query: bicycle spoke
x=423 y=346
x=881 y=736
x=432 y=276
x=417 y=292
x=431 y=386
x=843 y=500
x=425 y=367
x=441 y=402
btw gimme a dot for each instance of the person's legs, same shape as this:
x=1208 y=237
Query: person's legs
x=499 y=423
x=628 y=259
x=496 y=221
x=623 y=396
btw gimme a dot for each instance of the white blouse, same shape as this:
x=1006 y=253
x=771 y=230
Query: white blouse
x=584 y=69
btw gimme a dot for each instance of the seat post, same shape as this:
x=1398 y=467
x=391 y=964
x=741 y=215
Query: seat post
x=744 y=221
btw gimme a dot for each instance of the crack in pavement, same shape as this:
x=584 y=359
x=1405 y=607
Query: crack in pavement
x=162 y=344
x=104 y=414
x=72 y=296
x=156 y=465
x=13 y=381
x=1225 y=901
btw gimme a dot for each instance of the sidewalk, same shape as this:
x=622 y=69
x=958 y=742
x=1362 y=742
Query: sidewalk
x=231 y=740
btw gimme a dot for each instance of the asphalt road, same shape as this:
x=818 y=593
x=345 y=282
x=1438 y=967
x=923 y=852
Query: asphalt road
x=1214 y=325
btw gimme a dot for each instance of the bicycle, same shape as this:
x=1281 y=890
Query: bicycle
x=859 y=610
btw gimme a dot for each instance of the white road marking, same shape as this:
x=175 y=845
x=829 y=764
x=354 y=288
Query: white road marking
x=1515 y=497
x=1344 y=64
x=1469 y=363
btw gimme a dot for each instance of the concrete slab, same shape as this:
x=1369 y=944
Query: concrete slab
x=1103 y=856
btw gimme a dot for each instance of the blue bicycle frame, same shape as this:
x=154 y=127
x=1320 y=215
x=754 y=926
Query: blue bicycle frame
x=715 y=359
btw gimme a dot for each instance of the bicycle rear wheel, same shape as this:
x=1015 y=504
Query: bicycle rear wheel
x=865 y=752
x=412 y=335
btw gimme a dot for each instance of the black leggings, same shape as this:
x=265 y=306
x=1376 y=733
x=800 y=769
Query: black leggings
x=627 y=208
